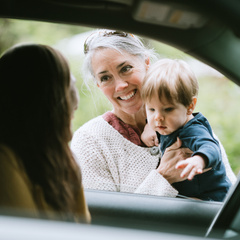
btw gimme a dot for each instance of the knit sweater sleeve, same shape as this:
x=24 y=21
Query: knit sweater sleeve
x=156 y=184
x=94 y=166
x=110 y=162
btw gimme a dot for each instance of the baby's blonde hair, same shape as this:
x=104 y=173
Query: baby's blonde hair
x=172 y=79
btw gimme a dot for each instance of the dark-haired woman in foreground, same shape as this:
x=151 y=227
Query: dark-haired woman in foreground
x=38 y=174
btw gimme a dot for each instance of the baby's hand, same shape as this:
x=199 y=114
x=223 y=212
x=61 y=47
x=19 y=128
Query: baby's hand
x=149 y=136
x=192 y=166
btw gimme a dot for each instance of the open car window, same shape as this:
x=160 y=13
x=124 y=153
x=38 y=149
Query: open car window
x=218 y=106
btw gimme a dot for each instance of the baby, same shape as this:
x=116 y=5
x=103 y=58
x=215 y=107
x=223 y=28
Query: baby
x=170 y=92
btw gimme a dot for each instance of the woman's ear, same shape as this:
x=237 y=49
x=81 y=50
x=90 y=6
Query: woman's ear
x=192 y=106
x=147 y=62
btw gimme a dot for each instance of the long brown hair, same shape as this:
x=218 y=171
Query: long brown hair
x=35 y=120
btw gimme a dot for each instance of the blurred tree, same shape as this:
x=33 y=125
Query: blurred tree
x=6 y=37
x=19 y=31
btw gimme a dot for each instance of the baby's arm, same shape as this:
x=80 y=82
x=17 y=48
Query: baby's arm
x=149 y=136
x=192 y=166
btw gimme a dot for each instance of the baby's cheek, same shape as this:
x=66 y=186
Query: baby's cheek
x=152 y=122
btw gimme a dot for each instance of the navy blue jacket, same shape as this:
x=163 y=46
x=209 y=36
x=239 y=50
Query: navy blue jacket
x=197 y=135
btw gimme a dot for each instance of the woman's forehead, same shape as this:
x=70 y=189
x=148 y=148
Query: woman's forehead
x=108 y=56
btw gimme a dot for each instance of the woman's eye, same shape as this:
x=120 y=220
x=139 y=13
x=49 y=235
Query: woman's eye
x=104 y=78
x=126 y=68
x=151 y=109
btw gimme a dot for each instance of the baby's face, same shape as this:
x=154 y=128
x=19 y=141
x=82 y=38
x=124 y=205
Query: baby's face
x=165 y=117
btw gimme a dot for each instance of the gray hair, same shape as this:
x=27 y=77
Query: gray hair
x=117 y=40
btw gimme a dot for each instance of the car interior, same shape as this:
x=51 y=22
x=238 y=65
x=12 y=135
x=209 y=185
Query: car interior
x=206 y=30
x=226 y=223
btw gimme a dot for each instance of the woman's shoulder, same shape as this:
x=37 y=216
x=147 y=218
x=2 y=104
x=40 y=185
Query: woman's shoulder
x=8 y=157
x=11 y=165
x=94 y=130
x=98 y=130
x=93 y=122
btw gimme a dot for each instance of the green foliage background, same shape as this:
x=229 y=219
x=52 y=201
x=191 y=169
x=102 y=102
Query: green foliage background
x=218 y=97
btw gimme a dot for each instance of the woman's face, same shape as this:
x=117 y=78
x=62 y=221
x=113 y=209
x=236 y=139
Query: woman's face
x=120 y=76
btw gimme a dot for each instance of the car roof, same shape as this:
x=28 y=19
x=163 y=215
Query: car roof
x=213 y=38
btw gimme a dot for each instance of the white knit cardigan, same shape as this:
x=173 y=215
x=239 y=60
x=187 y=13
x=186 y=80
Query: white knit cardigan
x=110 y=162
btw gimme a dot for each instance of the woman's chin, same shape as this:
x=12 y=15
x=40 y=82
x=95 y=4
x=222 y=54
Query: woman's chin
x=133 y=110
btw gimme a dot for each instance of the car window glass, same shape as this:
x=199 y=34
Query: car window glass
x=217 y=100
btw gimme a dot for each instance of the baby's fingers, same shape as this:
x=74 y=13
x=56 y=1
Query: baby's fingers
x=181 y=164
x=193 y=173
x=186 y=171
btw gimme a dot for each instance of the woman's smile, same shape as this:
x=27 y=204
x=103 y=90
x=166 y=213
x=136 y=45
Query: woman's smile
x=128 y=96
